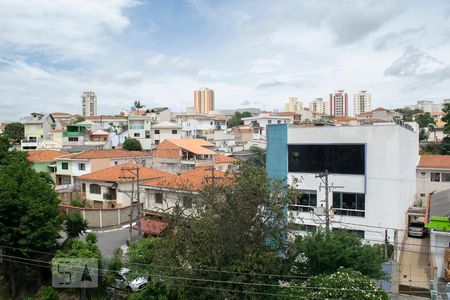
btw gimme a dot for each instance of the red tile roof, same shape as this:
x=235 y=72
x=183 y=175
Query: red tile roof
x=97 y=154
x=44 y=155
x=381 y=109
x=152 y=227
x=60 y=114
x=114 y=173
x=342 y=119
x=196 y=146
x=434 y=161
x=288 y=113
x=193 y=180
x=224 y=159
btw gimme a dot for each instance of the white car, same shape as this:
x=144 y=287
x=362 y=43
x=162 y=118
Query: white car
x=126 y=281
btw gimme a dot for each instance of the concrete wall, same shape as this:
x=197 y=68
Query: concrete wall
x=101 y=218
x=439 y=240
x=170 y=200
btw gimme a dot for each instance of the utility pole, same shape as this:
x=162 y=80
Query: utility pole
x=324 y=178
x=136 y=177
x=386 y=242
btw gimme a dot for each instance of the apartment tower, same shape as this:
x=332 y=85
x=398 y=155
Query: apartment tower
x=89 y=104
x=293 y=105
x=319 y=106
x=204 y=101
x=361 y=103
x=339 y=103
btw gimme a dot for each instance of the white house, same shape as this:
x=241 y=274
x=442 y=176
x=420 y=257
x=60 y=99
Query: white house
x=433 y=174
x=165 y=130
x=260 y=122
x=200 y=125
x=372 y=174
x=140 y=123
x=110 y=187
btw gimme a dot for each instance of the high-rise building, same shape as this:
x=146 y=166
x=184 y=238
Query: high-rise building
x=339 y=103
x=361 y=103
x=293 y=105
x=89 y=104
x=319 y=106
x=204 y=101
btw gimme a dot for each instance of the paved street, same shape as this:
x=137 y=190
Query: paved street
x=414 y=268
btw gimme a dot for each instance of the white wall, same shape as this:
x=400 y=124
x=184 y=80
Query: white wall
x=389 y=182
x=425 y=185
x=439 y=240
x=170 y=199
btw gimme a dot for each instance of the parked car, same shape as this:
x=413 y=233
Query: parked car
x=417 y=229
x=126 y=280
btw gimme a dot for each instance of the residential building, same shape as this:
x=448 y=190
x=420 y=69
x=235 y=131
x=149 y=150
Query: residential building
x=319 y=106
x=344 y=121
x=61 y=119
x=293 y=105
x=339 y=104
x=89 y=104
x=45 y=160
x=204 y=101
x=200 y=125
x=163 y=195
x=70 y=167
x=230 y=112
x=296 y=118
x=373 y=182
x=140 y=123
x=165 y=130
x=260 y=122
x=362 y=102
x=36 y=129
x=433 y=174
x=109 y=122
x=177 y=155
x=108 y=188
x=379 y=115
x=438 y=224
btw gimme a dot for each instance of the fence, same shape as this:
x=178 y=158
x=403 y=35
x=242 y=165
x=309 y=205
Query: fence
x=102 y=217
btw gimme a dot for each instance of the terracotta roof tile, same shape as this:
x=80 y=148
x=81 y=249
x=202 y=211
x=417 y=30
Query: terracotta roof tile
x=96 y=154
x=44 y=155
x=196 y=146
x=342 y=119
x=193 y=180
x=224 y=159
x=152 y=227
x=434 y=161
x=114 y=173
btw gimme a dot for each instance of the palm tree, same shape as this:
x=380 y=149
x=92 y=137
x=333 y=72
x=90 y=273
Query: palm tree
x=137 y=105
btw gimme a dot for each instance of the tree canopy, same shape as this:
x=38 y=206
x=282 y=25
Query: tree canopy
x=137 y=105
x=74 y=225
x=258 y=157
x=424 y=120
x=131 y=144
x=15 y=131
x=236 y=119
x=408 y=113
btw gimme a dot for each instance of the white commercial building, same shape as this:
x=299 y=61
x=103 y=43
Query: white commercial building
x=362 y=103
x=372 y=171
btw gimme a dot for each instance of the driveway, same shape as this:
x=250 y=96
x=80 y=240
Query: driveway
x=414 y=263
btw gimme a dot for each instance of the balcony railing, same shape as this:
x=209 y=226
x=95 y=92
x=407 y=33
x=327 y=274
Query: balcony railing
x=137 y=127
x=304 y=208
x=349 y=212
x=109 y=197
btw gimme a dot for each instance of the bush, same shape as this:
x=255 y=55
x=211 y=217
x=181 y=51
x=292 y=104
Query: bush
x=76 y=203
x=91 y=238
x=46 y=292
x=131 y=144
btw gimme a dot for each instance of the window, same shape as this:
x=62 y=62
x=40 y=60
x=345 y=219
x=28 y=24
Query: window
x=159 y=198
x=302 y=227
x=137 y=134
x=422 y=195
x=423 y=174
x=338 y=158
x=436 y=177
x=445 y=177
x=156 y=142
x=65 y=166
x=147 y=134
x=306 y=201
x=73 y=139
x=174 y=131
x=95 y=189
x=349 y=204
x=156 y=131
x=269 y=121
x=279 y=121
x=66 y=180
x=82 y=167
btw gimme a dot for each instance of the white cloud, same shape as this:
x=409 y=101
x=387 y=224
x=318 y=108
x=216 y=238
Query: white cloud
x=64 y=28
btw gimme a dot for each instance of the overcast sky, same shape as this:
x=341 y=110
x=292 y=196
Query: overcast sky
x=251 y=53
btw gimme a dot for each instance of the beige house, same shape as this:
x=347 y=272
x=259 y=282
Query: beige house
x=432 y=174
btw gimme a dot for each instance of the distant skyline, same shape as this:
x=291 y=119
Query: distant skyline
x=251 y=53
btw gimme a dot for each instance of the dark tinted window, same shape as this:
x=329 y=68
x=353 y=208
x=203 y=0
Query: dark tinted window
x=338 y=159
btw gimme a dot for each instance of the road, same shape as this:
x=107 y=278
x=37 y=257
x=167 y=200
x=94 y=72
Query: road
x=108 y=241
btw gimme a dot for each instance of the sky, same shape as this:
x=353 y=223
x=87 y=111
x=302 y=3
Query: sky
x=251 y=53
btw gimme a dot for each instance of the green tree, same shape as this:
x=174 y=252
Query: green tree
x=46 y=292
x=343 y=284
x=408 y=113
x=15 y=131
x=79 y=119
x=137 y=105
x=446 y=118
x=258 y=157
x=29 y=217
x=74 y=225
x=131 y=144
x=236 y=119
x=239 y=229
x=324 y=252
x=423 y=135
x=424 y=120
